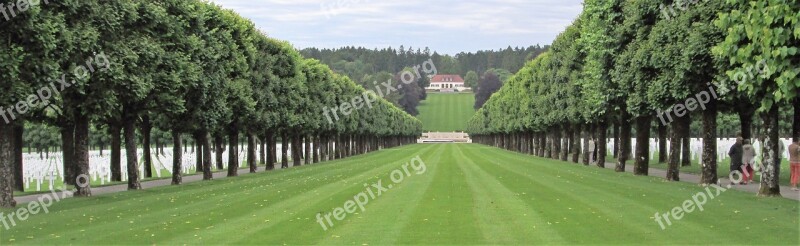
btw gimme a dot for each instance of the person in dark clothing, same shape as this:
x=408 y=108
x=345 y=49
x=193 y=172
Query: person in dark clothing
x=736 y=153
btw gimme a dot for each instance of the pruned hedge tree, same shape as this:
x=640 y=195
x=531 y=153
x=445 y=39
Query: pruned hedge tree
x=634 y=64
x=186 y=67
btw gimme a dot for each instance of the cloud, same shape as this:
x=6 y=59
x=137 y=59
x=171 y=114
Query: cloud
x=447 y=26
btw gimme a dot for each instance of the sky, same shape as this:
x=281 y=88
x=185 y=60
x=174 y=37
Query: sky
x=446 y=26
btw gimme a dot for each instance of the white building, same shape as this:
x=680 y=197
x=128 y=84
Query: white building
x=447 y=83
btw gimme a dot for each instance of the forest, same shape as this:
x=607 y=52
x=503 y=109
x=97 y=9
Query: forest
x=366 y=66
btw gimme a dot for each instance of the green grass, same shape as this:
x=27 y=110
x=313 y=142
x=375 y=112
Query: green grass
x=58 y=183
x=723 y=168
x=446 y=112
x=470 y=194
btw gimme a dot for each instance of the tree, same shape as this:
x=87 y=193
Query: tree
x=184 y=67
x=598 y=37
x=471 y=80
x=764 y=37
x=487 y=86
x=412 y=94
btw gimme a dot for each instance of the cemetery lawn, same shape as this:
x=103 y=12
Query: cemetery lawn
x=58 y=183
x=470 y=194
x=446 y=112
x=723 y=168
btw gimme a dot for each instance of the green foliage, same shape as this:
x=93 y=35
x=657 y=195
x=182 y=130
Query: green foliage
x=623 y=56
x=763 y=34
x=471 y=80
x=191 y=66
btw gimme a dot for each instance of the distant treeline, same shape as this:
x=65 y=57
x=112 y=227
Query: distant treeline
x=356 y=62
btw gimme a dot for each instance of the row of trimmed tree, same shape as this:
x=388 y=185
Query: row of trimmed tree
x=626 y=64
x=187 y=67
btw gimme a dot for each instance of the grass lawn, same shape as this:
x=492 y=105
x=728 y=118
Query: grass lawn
x=723 y=168
x=443 y=112
x=468 y=194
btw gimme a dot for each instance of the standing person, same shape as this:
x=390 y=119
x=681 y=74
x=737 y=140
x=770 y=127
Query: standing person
x=794 y=159
x=736 y=157
x=748 y=161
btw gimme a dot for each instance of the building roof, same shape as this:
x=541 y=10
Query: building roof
x=447 y=78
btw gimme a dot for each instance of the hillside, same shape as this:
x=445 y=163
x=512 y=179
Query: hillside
x=446 y=112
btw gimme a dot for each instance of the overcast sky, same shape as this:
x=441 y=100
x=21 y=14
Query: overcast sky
x=446 y=26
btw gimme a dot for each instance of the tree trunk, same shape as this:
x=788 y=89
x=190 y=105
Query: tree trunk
x=325 y=149
x=82 y=181
x=307 y=142
x=68 y=152
x=263 y=153
x=556 y=142
x=272 y=149
x=233 y=153
x=317 y=148
x=770 y=158
x=586 y=151
x=17 y=145
x=673 y=171
x=348 y=145
x=625 y=142
x=6 y=170
x=296 y=150
x=130 y=152
x=205 y=141
x=642 y=164
x=686 y=139
x=284 y=150
x=602 y=148
x=540 y=144
x=575 y=142
x=340 y=147
x=796 y=121
x=147 y=156
x=219 y=150
x=616 y=129
x=709 y=166
x=251 y=153
x=198 y=153
x=662 y=143
x=116 y=153
x=177 y=158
